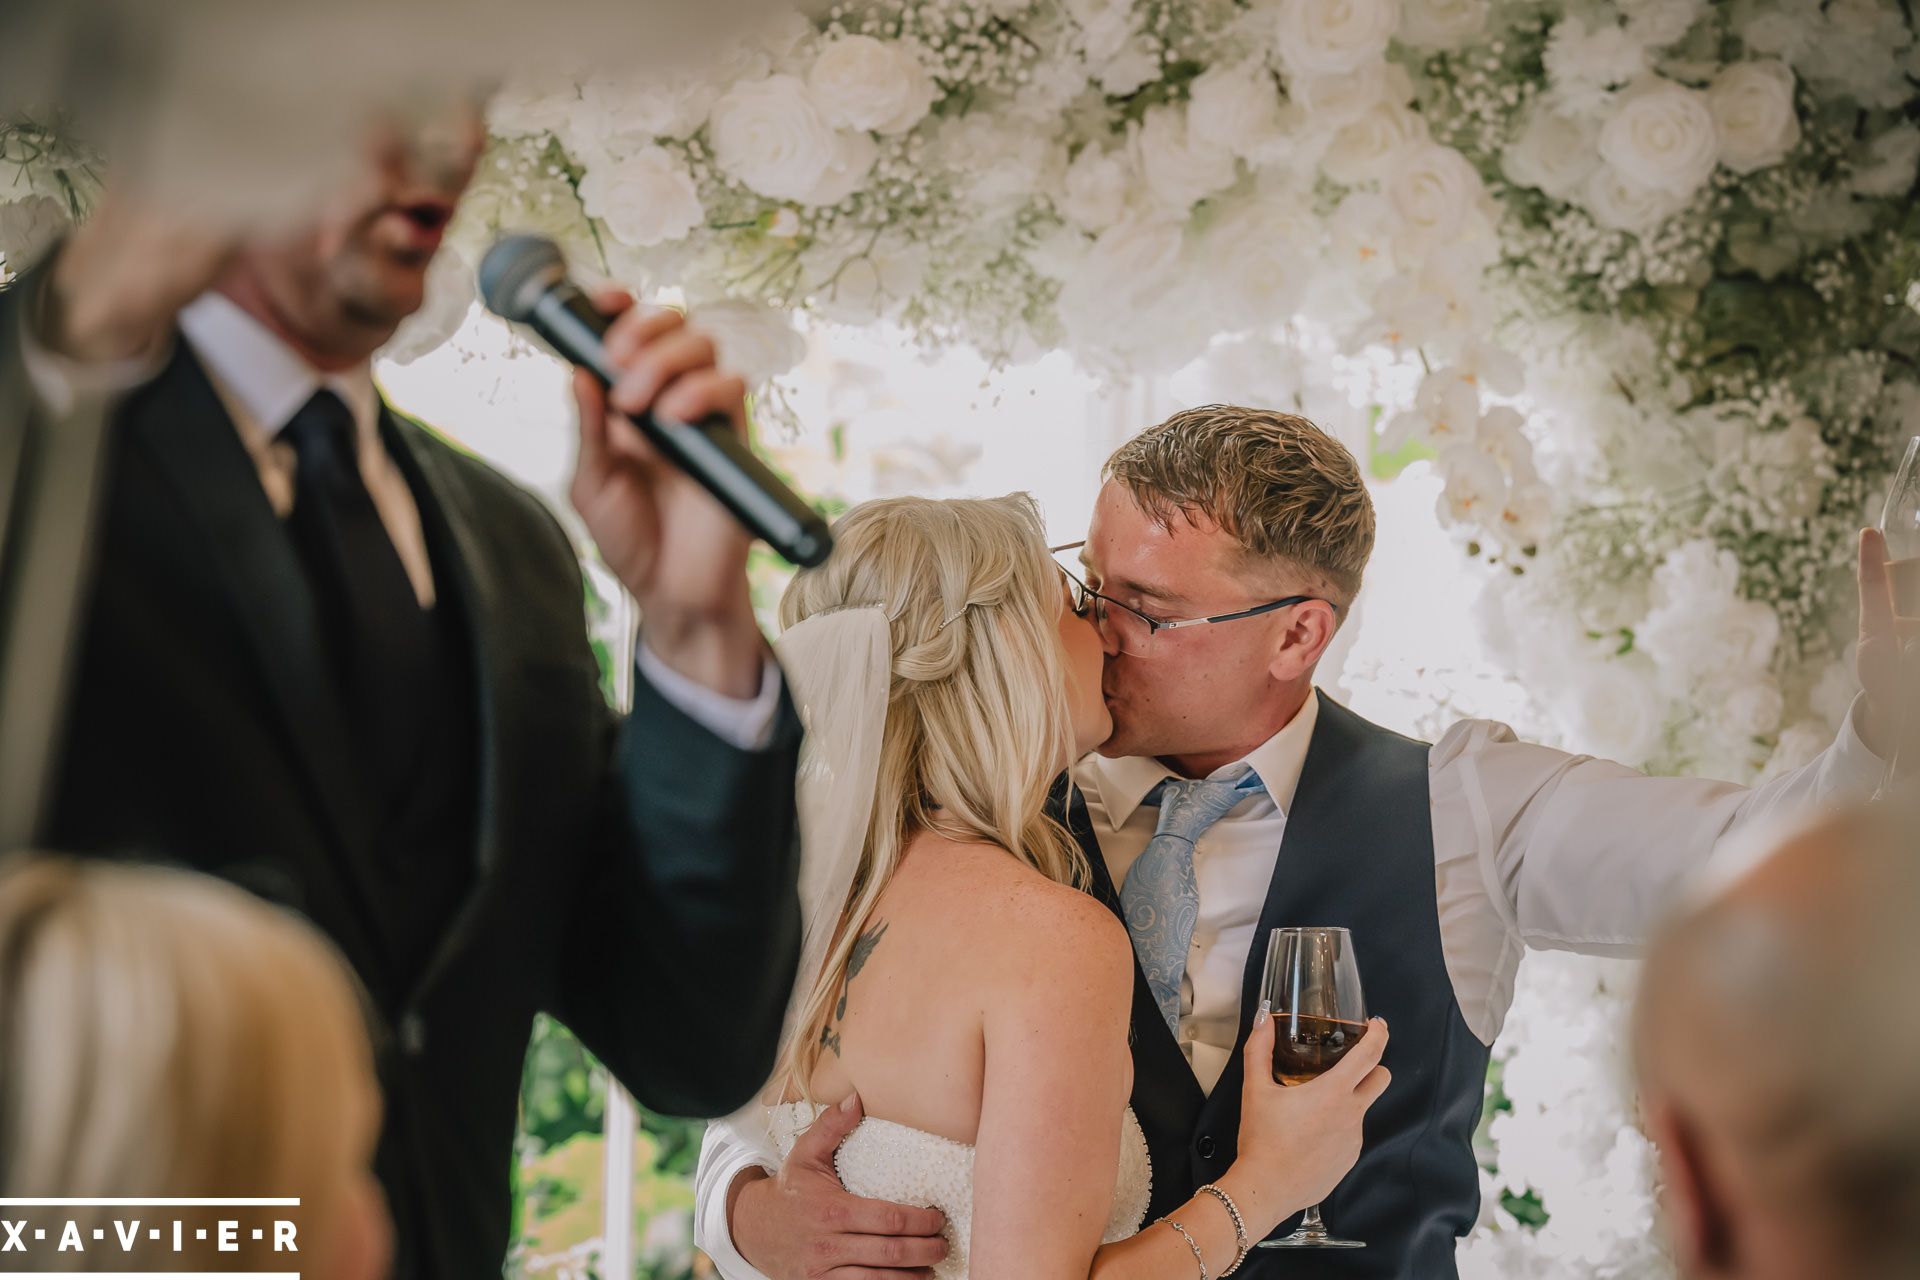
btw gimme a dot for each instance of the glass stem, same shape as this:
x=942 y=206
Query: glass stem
x=1311 y=1224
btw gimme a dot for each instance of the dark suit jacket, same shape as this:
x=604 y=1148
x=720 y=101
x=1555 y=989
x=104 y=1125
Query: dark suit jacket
x=636 y=879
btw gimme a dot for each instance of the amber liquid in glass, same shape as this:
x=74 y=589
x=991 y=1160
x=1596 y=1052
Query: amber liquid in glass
x=1304 y=1046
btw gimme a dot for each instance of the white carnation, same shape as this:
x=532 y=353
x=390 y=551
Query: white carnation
x=1236 y=107
x=1442 y=24
x=1752 y=104
x=1890 y=163
x=864 y=83
x=1584 y=63
x=1181 y=169
x=1316 y=36
x=525 y=105
x=1555 y=152
x=757 y=342
x=1094 y=192
x=772 y=135
x=1658 y=23
x=1435 y=191
x=1662 y=137
x=997 y=165
x=616 y=115
x=1371 y=147
x=1618 y=202
x=1122 y=298
x=643 y=198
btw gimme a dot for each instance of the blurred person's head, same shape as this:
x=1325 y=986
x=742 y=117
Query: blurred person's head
x=164 y=1034
x=338 y=288
x=1777 y=1036
x=1217 y=510
x=993 y=689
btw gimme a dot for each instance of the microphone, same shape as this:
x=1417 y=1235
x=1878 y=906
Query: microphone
x=524 y=279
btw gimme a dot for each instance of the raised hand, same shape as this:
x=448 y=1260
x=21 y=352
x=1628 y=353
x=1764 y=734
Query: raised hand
x=801 y=1224
x=674 y=547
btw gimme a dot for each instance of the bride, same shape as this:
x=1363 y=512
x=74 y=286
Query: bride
x=955 y=981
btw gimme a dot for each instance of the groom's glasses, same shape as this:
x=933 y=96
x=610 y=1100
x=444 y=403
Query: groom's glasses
x=1132 y=630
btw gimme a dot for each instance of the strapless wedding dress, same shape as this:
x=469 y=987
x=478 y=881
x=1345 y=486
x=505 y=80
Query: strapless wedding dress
x=882 y=1160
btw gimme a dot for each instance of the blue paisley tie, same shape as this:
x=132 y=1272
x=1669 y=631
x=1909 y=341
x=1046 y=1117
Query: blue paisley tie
x=1160 y=898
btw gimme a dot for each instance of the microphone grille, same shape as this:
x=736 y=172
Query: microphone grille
x=515 y=271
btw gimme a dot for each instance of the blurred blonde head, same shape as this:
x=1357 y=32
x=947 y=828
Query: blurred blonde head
x=165 y=1034
x=979 y=720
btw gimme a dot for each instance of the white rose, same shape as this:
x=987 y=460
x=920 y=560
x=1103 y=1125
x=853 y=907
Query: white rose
x=864 y=83
x=1435 y=191
x=1136 y=65
x=1617 y=202
x=28 y=227
x=1333 y=35
x=1105 y=27
x=1442 y=24
x=1752 y=104
x=1371 y=147
x=1613 y=710
x=1263 y=252
x=1094 y=192
x=994 y=164
x=1751 y=708
x=1697 y=570
x=1662 y=136
x=772 y=135
x=1181 y=169
x=757 y=342
x=616 y=115
x=645 y=198
x=1236 y=107
x=1114 y=299
x=1330 y=101
x=526 y=105
x=1554 y=152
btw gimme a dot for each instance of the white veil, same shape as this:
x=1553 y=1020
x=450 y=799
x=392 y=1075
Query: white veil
x=838 y=666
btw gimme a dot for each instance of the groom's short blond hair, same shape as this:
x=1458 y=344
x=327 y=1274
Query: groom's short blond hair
x=1284 y=489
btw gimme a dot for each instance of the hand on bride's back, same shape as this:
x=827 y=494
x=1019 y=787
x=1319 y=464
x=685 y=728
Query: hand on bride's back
x=1297 y=1142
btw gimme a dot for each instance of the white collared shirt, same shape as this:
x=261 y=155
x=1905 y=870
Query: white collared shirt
x=1533 y=847
x=262 y=382
x=1232 y=863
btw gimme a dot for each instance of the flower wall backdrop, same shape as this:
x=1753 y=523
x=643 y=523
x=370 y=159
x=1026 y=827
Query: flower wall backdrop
x=1642 y=272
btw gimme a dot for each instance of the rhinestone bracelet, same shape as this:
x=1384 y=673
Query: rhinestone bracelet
x=1240 y=1244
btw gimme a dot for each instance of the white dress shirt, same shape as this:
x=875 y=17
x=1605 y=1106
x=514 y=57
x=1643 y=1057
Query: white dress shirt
x=1532 y=847
x=262 y=382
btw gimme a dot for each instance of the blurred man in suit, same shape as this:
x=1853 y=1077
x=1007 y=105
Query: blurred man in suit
x=1778 y=1032
x=329 y=657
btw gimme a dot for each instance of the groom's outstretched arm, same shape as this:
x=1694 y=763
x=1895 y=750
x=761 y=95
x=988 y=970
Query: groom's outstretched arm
x=1587 y=855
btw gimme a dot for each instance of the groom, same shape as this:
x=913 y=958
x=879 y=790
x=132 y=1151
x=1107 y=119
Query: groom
x=1445 y=861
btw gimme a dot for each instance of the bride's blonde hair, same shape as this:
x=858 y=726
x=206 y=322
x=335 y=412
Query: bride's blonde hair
x=978 y=723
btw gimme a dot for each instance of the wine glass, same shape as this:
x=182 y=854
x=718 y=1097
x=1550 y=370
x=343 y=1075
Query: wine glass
x=1900 y=525
x=1319 y=1012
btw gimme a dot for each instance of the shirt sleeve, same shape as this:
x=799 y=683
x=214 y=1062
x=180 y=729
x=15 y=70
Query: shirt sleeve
x=724 y=1156
x=746 y=723
x=1586 y=855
